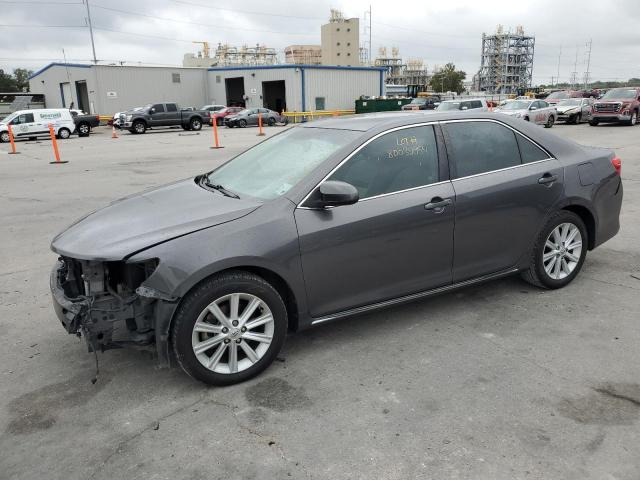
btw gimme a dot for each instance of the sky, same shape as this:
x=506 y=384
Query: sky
x=34 y=33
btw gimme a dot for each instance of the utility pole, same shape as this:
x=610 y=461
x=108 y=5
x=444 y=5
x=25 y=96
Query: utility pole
x=586 y=74
x=93 y=46
x=574 y=74
x=558 y=72
x=370 y=59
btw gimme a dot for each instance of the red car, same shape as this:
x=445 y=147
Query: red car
x=220 y=114
x=555 y=97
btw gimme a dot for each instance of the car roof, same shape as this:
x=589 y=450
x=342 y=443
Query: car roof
x=383 y=120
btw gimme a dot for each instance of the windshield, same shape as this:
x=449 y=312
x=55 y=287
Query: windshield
x=245 y=111
x=419 y=101
x=558 y=95
x=573 y=102
x=620 y=93
x=272 y=167
x=446 y=106
x=8 y=118
x=516 y=105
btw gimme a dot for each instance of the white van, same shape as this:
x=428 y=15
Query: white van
x=35 y=123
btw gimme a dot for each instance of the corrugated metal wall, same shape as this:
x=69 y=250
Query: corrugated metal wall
x=137 y=86
x=339 y=88
x=48 y=83
x=217 y=92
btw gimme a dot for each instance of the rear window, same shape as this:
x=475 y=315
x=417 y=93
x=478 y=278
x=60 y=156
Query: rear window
x=479 y=147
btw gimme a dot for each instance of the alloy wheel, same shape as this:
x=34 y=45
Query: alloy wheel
x=562 y=251
x=233 y=333
x=4 y=136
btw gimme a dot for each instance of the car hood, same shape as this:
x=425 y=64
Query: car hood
x=511 y=112
x=140 y=221
x=566 y=108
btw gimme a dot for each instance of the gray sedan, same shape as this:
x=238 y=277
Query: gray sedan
x=328 y=220
x=575 y=110
x=250 y=116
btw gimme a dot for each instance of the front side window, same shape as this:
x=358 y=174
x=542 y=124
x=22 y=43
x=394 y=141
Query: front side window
x=479 y=147
x=23 y=118
x=272 y=167
x=159 y=108
x=399 y=160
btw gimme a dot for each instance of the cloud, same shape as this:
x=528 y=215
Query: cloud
x=161 y=31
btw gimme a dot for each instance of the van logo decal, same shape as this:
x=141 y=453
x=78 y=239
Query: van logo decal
x=50 y=116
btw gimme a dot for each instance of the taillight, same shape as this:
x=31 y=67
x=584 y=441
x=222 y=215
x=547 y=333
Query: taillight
x=617 y=164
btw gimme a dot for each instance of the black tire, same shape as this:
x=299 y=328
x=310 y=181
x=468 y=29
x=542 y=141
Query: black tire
x=577 y=119
x=271 y=122
x=220 y=121
x=64 y=133
x=285 y=121
x=242 y=123
x=84 y=129
x=197 y=300
x=535 y=274
x=195 y=124
x=185 y=127
x=526 y=119
x=139 y=127
x=4 y=137
x=593 y=123
x=550 y=122
x=633 y=120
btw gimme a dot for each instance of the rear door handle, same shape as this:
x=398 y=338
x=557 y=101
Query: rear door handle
x=437 y=204
x=547 y=178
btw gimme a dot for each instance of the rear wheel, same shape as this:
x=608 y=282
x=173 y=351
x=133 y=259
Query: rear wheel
x=195 y=124
x=229 y=328
x=64 y=133
x=84 y=129
x=559 y=251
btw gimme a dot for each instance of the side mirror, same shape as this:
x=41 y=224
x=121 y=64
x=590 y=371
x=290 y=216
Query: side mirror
x=464 y=108
x=533 y=108
x=152 y=110
x=334 y=193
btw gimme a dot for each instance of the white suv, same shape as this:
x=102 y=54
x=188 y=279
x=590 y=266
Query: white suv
x=479 y=104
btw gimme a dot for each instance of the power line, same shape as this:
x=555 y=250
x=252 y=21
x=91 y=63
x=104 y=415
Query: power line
x=247 y=12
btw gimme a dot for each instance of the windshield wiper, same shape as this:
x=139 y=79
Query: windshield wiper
x=219 y=188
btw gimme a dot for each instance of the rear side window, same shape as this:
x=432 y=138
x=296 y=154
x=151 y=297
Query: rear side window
x=529 y=151
x=478 y=147
x=171 y=107
x=398 y=160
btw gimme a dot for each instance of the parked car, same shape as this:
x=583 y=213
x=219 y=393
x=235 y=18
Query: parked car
x=555 y=97
x=217 y=268
x=618 y=105
x=422 y=103
x=478 y=104
x=575 y=110
x=249 y=116
x=162 y=115
x=84 y=122
x=532 y=110
x=35 y=123
x=220 y=115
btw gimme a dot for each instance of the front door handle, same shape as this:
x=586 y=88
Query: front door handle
x=547 y=179
x=437 y=204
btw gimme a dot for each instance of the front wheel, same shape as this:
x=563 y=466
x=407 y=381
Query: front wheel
x=64 y=133
x=593 y=123
x=634 y=119
x=139 y=127
x=550 y=121
x=242 y=123
x=4 y=137
x=229 y=328
x=559 y=251
x=271 y=122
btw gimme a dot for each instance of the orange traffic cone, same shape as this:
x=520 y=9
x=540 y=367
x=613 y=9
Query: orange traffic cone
x=113 y=132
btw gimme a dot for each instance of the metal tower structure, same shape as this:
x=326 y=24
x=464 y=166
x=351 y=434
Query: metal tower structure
x=506 y=64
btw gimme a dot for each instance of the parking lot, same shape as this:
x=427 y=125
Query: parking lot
x=496 y=381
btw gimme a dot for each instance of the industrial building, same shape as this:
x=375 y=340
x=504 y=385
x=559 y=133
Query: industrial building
x=106 y=89
x=340 y=40
x=229 y=55
x=506 y=65
x=303 y=54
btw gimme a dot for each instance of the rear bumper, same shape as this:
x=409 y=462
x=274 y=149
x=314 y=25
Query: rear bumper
x=608 y=204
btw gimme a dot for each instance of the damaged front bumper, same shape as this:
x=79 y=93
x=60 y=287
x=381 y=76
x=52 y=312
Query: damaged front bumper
x=107 y=304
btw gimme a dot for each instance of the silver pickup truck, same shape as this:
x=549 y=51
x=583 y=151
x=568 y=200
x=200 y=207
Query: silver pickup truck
x=536 y=111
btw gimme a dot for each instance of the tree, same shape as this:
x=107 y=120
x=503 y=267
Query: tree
x=448 y=79
x=21 y=76
x=7 y=82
